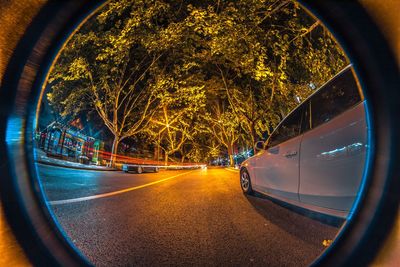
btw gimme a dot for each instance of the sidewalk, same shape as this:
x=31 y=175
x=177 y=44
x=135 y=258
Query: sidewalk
x=42 y=158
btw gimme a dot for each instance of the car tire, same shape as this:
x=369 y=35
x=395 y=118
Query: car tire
x=245 y=182
x=139 y=170
x=156 y=169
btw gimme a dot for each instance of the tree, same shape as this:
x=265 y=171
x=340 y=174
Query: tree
x=173 y=133
x=106 y=67
x=225 y=127
x=265 y=53
x=142 y=64
x=176 y=118
x=253 y=51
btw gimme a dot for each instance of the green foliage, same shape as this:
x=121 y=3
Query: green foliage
x=229 y=70
x=176 y=120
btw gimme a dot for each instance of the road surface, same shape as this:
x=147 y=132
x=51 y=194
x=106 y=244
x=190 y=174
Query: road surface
x=177 y=218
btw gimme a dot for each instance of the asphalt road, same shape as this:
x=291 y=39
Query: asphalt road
x=177 y=218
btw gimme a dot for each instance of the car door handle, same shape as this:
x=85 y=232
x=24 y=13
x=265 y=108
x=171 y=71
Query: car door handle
x=274 y=150
x=290 y=154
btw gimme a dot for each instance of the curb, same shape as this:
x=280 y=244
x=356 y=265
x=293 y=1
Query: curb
x=74 y=167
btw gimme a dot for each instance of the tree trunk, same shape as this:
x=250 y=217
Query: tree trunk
x=231 y=159
x=155 y=153
x=114 y=151
x=166 y=159
x=253 y=137
x=182 y=152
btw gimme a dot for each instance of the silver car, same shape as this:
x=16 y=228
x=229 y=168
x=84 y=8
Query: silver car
x=315 y=157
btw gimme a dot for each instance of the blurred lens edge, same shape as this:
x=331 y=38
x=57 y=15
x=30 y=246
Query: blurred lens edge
x=40 y=237
x=374 y=62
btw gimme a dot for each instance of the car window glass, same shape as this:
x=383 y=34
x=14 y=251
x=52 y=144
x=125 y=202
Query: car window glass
x=334 y=98
x=289 y=128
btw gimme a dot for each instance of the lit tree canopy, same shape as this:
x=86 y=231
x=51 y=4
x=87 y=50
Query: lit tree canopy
x=106 y=67
x=142 y=65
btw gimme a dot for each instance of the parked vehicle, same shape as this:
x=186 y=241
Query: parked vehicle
x=139 y=168
x=315 y=157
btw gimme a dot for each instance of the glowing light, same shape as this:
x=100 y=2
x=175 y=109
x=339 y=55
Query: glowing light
x=346 y=150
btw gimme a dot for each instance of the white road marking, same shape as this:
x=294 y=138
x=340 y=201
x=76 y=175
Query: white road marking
x=80 y=199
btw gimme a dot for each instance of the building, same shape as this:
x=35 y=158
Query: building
x=68 y=142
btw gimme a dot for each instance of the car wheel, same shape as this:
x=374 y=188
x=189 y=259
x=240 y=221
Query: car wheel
x=139 y=169
x=156 y=169
x=245 y=182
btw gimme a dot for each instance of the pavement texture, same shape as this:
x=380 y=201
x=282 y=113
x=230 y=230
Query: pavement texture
x=196 y=218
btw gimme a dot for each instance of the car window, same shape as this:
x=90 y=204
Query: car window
x=288 y=129
x=334 y=98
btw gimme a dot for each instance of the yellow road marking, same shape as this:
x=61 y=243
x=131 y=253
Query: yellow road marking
x=80 y=199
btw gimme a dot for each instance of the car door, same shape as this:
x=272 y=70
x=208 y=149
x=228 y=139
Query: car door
x=277 y=168
x=333 y=151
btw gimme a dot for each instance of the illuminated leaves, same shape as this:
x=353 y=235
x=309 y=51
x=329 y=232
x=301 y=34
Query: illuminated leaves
x=140 y=63
x=78 y=69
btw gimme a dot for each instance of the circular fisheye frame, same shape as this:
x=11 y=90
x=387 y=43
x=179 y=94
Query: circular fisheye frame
x=22 y=83
x=376 y=208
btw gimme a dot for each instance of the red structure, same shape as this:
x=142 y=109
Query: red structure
x=69 y=143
